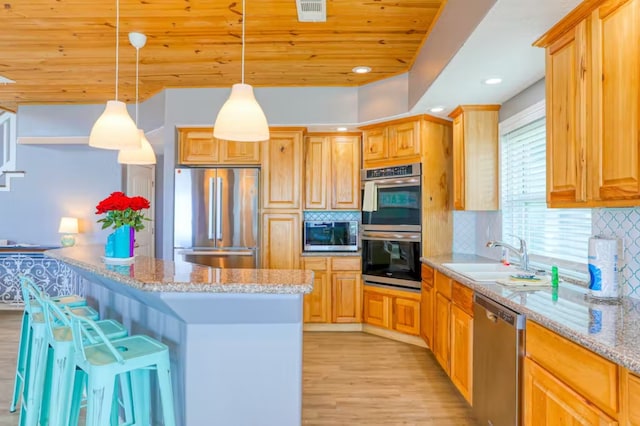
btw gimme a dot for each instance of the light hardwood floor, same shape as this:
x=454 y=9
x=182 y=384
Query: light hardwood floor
x=349 y=379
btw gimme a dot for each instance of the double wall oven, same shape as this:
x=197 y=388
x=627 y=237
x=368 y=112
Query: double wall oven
x=391 y=232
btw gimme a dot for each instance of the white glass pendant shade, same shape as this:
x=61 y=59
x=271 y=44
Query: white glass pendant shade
x=241 y=118
x=115 y=129
x=142 y=155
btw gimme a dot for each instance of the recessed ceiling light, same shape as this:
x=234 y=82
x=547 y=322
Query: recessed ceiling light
x=437 y=109
x=341 y=129
x=493 y=80
x=361 y=69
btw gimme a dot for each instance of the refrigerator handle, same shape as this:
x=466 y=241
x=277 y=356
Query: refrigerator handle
x=211 y=208
x=219 y=209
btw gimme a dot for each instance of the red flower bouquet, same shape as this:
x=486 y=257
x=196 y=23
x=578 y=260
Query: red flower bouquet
x=122 y=210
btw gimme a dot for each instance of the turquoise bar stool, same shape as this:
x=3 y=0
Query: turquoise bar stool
x=56 y=395
x=98 y=365
x=31 y=308
x=32 y=352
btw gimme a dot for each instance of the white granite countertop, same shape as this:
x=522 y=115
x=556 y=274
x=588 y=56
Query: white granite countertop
x=156 y=275
x=611 y=330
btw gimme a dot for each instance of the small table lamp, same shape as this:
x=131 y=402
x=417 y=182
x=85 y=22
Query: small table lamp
x=68 y=227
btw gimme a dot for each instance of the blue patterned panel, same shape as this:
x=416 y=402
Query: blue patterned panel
x=624 y=224
x=327 y=216
x=55 y=277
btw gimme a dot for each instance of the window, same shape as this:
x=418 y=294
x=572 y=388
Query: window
x=553 y=236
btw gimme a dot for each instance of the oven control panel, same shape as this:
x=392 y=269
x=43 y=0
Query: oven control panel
x=394 y=171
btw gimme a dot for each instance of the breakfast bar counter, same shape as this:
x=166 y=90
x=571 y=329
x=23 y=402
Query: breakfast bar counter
x=234 y=335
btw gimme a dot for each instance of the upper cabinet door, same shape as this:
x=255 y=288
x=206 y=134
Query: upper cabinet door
x=404 y=139
x=566 y=80
x=282 y=170
x=375 y=145
x=317 y=166
x=240 y=152
x=345 y=173
x=616 y=60
x=197 y=146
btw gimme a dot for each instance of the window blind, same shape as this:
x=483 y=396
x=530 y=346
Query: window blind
x=551 y=234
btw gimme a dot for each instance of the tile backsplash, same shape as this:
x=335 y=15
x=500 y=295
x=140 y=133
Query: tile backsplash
x=332 y=215
x=624 y=224
x=464 y=232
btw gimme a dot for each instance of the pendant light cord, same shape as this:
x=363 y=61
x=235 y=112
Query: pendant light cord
x=117 y=42
x=243 y=19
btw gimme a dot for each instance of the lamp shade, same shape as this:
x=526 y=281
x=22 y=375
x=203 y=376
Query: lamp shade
x=142 y=155
x=241 y=118
x=114 y=129
x=68 y=225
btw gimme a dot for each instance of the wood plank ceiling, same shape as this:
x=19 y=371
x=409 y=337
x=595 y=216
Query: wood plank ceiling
x=64 y=51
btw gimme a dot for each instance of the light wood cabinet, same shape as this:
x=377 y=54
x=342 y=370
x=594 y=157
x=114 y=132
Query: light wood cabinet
x=332 y=172
x=453 y=331
x=197 y=146
x=475 y=157
x=630 y=396
x=339 y=301
x=392 y=309
x=282 y=170
x=427 y=306
x=566 y=81
x=593 y=109
x=391 y=143
x=548 y=401
x=281 y=240
x=461 y=351
x=442 y=331
x=317 y=304
x=616 y=95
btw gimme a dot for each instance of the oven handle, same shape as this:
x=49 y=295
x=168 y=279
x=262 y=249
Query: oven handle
x=386 y=184
x=390 y=236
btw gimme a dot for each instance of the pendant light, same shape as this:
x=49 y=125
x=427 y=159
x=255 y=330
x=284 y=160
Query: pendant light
x=241 y=118
x=144 y=154
x=115 y=129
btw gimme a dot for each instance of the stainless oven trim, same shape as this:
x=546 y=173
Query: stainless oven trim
x=311 y=248
x=376 y=279
x=417 y=167
x=397 y=182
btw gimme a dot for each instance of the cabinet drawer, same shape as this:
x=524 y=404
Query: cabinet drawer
x=443 y=285
x=586 y=372
x=462 y=296
x=427 y=274
x=346 y=263
x=315 y=263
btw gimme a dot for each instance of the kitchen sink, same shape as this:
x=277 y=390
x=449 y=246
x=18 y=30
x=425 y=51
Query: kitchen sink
x=482 y=271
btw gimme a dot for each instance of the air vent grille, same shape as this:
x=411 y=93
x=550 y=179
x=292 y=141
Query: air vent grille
x=312 y=10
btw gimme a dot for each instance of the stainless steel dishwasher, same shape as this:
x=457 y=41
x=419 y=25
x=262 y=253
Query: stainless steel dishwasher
x=498 y=348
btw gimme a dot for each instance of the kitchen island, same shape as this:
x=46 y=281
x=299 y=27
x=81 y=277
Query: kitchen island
x=234 y=335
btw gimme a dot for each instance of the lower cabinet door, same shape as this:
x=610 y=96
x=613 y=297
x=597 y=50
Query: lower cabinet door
x=346 y=304
x=426 y=314
x=548 y=401
x=377 y=309
x=406 y=316
x=316 y=303
x=462 y=351
x=441 y=331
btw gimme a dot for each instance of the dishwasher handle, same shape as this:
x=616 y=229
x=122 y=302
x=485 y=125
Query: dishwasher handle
x=495 y=311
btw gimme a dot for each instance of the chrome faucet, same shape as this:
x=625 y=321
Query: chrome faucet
x=521 y=252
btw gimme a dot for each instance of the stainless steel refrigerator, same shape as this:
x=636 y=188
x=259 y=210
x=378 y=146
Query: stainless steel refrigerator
x=216 y=217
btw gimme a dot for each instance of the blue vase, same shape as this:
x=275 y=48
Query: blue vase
x=121 y=242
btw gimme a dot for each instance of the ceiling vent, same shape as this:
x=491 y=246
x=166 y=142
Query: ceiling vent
x=312 y=10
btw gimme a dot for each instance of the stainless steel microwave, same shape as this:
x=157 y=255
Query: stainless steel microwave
x=331 y=235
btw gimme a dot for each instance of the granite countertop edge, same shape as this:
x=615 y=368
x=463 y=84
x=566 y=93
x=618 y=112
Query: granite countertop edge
x=154 y=285
x=620 y=354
